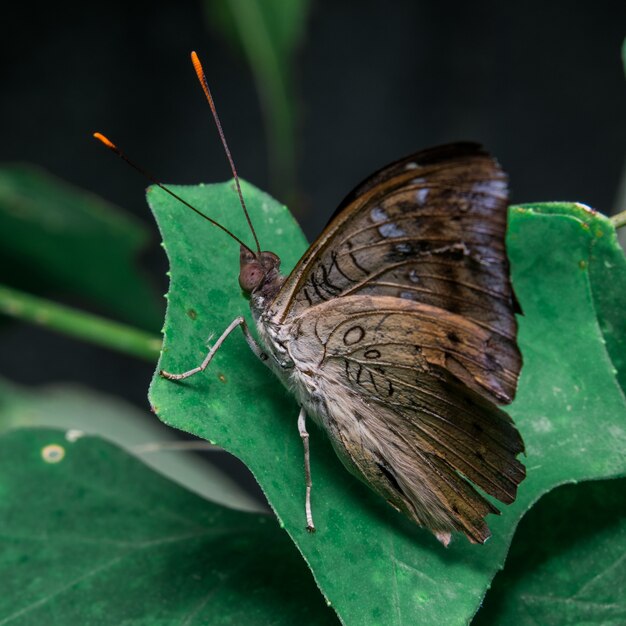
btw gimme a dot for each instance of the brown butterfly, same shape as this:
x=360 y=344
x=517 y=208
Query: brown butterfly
x=396 y=332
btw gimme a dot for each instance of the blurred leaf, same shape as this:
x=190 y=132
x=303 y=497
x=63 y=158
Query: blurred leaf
x=269 y=33
x=283 y=24
x=370 y=562
x=98 y=538
x=57 y=237
x=80 y=411
x=567 y=563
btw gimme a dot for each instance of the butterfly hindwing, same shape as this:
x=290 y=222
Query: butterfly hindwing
x=405 y=424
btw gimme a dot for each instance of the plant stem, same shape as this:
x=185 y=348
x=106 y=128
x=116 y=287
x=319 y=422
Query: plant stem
x=618 y=220
x=79 y=324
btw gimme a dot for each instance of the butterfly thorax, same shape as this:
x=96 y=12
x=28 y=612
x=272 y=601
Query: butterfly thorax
x=273 y=335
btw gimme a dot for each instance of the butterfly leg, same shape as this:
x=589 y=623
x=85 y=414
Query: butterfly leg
x=254 y=346
x=304 y=435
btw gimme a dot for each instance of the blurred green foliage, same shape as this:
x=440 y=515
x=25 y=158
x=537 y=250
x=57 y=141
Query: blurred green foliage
x=55 y=238
x=268 y=34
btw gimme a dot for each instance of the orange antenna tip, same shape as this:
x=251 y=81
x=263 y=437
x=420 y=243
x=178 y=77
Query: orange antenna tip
x=107 y=142
x=197 y=66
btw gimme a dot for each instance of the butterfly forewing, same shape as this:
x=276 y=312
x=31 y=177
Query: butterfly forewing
x=429 y=228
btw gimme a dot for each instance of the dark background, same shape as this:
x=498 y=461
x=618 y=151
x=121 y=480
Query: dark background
x=540 y=84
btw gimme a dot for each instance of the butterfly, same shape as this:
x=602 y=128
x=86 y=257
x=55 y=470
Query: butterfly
x=396 y=333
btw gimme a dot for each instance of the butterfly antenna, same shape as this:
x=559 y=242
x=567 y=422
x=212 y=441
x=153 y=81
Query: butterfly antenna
x=109 y=144
x=207 y=92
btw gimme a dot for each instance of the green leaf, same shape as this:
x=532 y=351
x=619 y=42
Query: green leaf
x=607 y=275
x=371 y=563
x=79 y=411
x=566 y=564
x=68 y=240
x=98 y=538
x=269 y=33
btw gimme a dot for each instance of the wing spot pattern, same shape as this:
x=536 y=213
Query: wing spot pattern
x=421 y=196
x=391 y=230
x=403 y=248
x=372 y=354
x=414 y=276
x=378 y=214
x=453 y=337
x=353 y=335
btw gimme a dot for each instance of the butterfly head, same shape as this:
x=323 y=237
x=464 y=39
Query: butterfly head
x=257 y=271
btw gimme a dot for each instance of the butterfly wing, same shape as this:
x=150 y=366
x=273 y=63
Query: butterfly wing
x=429 y=229
x=398 y=416
x=401 y=326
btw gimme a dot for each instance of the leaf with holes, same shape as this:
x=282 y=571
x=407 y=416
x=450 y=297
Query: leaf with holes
x=372 y=564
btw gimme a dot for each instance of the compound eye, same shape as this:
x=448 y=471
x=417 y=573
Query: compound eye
x=250 y=277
